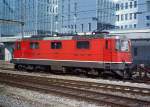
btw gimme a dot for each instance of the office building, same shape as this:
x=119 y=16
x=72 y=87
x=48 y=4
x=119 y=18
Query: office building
x=77 y=16
x=133 y=14
x=39 y=17
x=105 y=14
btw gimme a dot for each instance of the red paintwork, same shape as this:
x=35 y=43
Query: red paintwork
x=97 y=51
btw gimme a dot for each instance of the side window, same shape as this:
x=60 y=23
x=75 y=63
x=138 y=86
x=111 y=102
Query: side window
x=18 y=46
x=34 y=45
x=83 y=44
x=56 y=45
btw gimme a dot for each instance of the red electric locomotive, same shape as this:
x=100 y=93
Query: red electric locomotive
x=90 y=54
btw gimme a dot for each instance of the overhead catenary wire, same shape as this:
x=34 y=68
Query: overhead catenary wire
x=103 y=10
x=103 y=16
x=93 y=10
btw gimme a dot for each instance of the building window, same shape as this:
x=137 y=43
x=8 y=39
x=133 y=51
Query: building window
x=135 y=51
x=131 y=4
x=135 y=16
x=122 y=6
x=121 y=27
x=126 y=16
x=82 y=27
x=148 y=5
x=126 y=26
x=130 y=26
x=53 y=10
x=56 y=9
x=71 y=26
x=56 y=45
x=83 y=44
x=147 y=17
x=126 y=6
x=117 y=17
x=75 y=27
x=47 y=9
x=135 y=4
x=34 y=45
x=117 y=7
x=130 y=16
x=56 y=2
x=134 y=25
x=122 y=17
x=89 y=27
x=148 y=24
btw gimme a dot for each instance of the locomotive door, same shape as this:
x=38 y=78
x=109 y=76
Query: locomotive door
x=108 y=54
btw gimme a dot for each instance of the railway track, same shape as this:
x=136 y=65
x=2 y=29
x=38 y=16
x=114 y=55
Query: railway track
x=132 y=80
x=89 y=91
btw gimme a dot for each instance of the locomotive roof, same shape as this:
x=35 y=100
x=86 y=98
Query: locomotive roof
x=72 y=37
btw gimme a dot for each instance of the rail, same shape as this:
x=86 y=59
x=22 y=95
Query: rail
x=84 y=90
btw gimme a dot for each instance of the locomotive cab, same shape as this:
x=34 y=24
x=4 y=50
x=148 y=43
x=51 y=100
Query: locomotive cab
x=123 y=50
x=122 y=57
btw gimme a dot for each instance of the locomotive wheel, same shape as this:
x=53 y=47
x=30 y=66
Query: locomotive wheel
x=126 y=74
x=23 y=67
x=92 y=73
x=64 y=70
x=16 y=66
x=30 y=68
x=19 y=67
x=37 y=68
x=78 y=71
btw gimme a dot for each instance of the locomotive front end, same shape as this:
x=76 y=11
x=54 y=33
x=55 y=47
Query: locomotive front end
x=123 y=56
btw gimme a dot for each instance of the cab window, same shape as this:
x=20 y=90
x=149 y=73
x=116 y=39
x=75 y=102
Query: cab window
x=122 y=45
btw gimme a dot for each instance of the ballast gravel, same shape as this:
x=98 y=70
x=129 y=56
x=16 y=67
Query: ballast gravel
x=16 y=97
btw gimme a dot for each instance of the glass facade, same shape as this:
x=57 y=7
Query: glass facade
x=39 y=17
x=77 y=16
x=106 y=14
